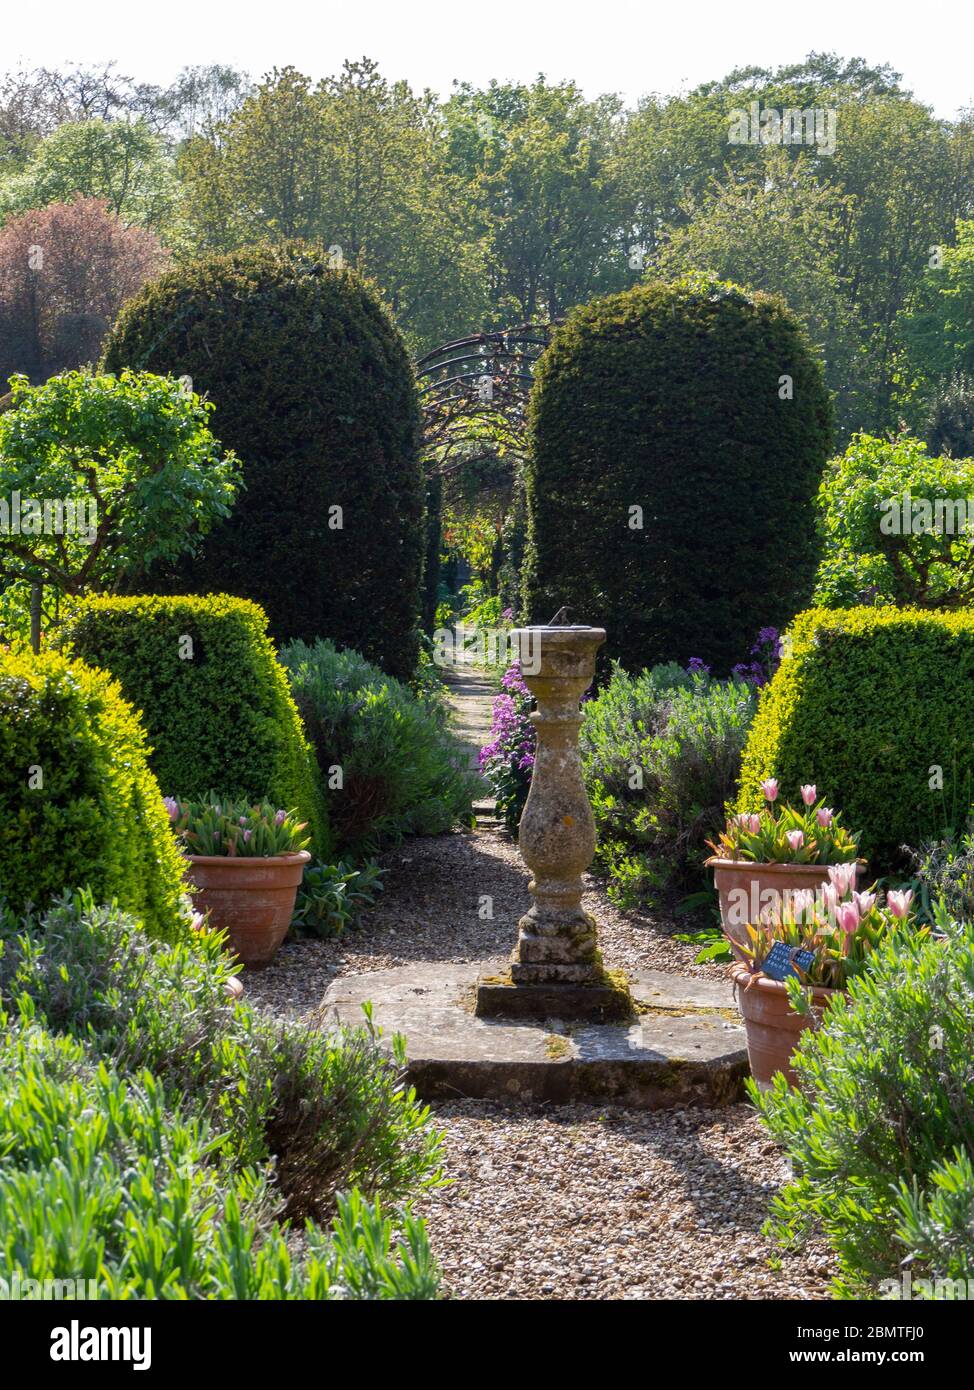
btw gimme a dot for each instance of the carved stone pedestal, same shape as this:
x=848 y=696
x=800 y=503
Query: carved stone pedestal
x=555 y=969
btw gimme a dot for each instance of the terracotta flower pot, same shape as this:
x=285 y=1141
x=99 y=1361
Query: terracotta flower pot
x=772 y=1026
x=742 y=885
x=251 y=899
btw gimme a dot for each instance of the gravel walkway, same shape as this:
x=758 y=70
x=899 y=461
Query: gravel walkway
x=572 y=1202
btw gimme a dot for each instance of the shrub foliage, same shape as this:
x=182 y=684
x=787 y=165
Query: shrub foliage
x=78 y=804
x=881 y=1131
x=668 y=398
x=876 y=707
x=136 y=1101
x=315 y=392
x=388 y=763
x=661 y=753
x=213 y=697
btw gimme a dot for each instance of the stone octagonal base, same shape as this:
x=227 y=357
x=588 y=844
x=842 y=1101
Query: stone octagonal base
x=685 y=1044
x=594 y=1003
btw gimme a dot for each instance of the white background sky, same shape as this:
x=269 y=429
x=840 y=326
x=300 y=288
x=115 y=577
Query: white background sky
x=605 y=45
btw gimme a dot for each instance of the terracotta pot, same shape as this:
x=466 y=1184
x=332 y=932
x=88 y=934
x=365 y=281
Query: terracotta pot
x=251 y=899
x=772 y=1026
x=732 y=876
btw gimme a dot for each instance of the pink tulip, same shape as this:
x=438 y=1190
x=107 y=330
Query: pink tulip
x=830 y=897
x=770 y=788
x=843 y=876
x=864 y=901
x=899 y=903
x=809 y=794
x=824 y=816
x=795 y=838
x=754 y=824
x=848 y=917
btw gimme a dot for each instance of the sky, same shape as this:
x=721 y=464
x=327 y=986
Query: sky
x=611 y=45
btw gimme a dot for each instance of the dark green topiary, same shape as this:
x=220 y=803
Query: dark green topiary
x=315 y=393
x=78 y=804
x=950 y=420
x=213 y=697
x=668 y=398
x=868 y=704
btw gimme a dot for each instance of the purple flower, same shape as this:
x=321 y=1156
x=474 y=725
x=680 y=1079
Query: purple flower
x=246 y=835
x=280 y=817
x=172 y=807
x=697 y=667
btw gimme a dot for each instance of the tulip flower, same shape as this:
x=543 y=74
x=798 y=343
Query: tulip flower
x=899 y=903
x=280 y=817
x=172 y=807
x=843 y=876
x=770 y=788
x=809 y=794
x=754 y=824
x=864 y=901
x=795 y=838
x=824 y=816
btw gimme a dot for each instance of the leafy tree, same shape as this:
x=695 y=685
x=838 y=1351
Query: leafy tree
x=102 y=477
x=896 y=527
x=355 y=164
x=540 y=163
x=119 y=161
x=938 y=328
x=778 y=232
x=65 y=272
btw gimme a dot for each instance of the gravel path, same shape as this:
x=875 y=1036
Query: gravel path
x=570 y=1202
x=563 y=1202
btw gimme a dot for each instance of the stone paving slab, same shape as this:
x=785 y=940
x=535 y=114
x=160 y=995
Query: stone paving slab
x=685 y=1045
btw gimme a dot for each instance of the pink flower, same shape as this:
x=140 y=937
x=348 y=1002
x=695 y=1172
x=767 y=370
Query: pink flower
x=864 y=901
x=830 y=897
x=198 y=922
x=795 y=838
x=770 y=788
x=899 y=903
x=824 y=816
x=848 y=917
x=843 y=876
x=172 y=807
x=755 y=824
x=809 y=794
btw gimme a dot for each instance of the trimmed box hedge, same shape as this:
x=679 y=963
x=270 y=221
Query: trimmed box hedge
x=678 y=435
x=868 y=703
x=314 y=391
x=79 y=806
x=214 y=698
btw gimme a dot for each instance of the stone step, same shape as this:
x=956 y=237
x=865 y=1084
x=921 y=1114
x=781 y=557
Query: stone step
x=685 y=1044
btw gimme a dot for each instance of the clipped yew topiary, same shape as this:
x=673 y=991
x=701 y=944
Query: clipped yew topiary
x=78 y=805
x=314 y=391
x=678 y=435
x=213 y=697
x=875 y=706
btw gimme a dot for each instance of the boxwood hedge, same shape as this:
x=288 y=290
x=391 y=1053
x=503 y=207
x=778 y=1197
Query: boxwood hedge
x=678 y=435
x=214 y=699
x=315 y=393
x=78 y=804
x=876 y=707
